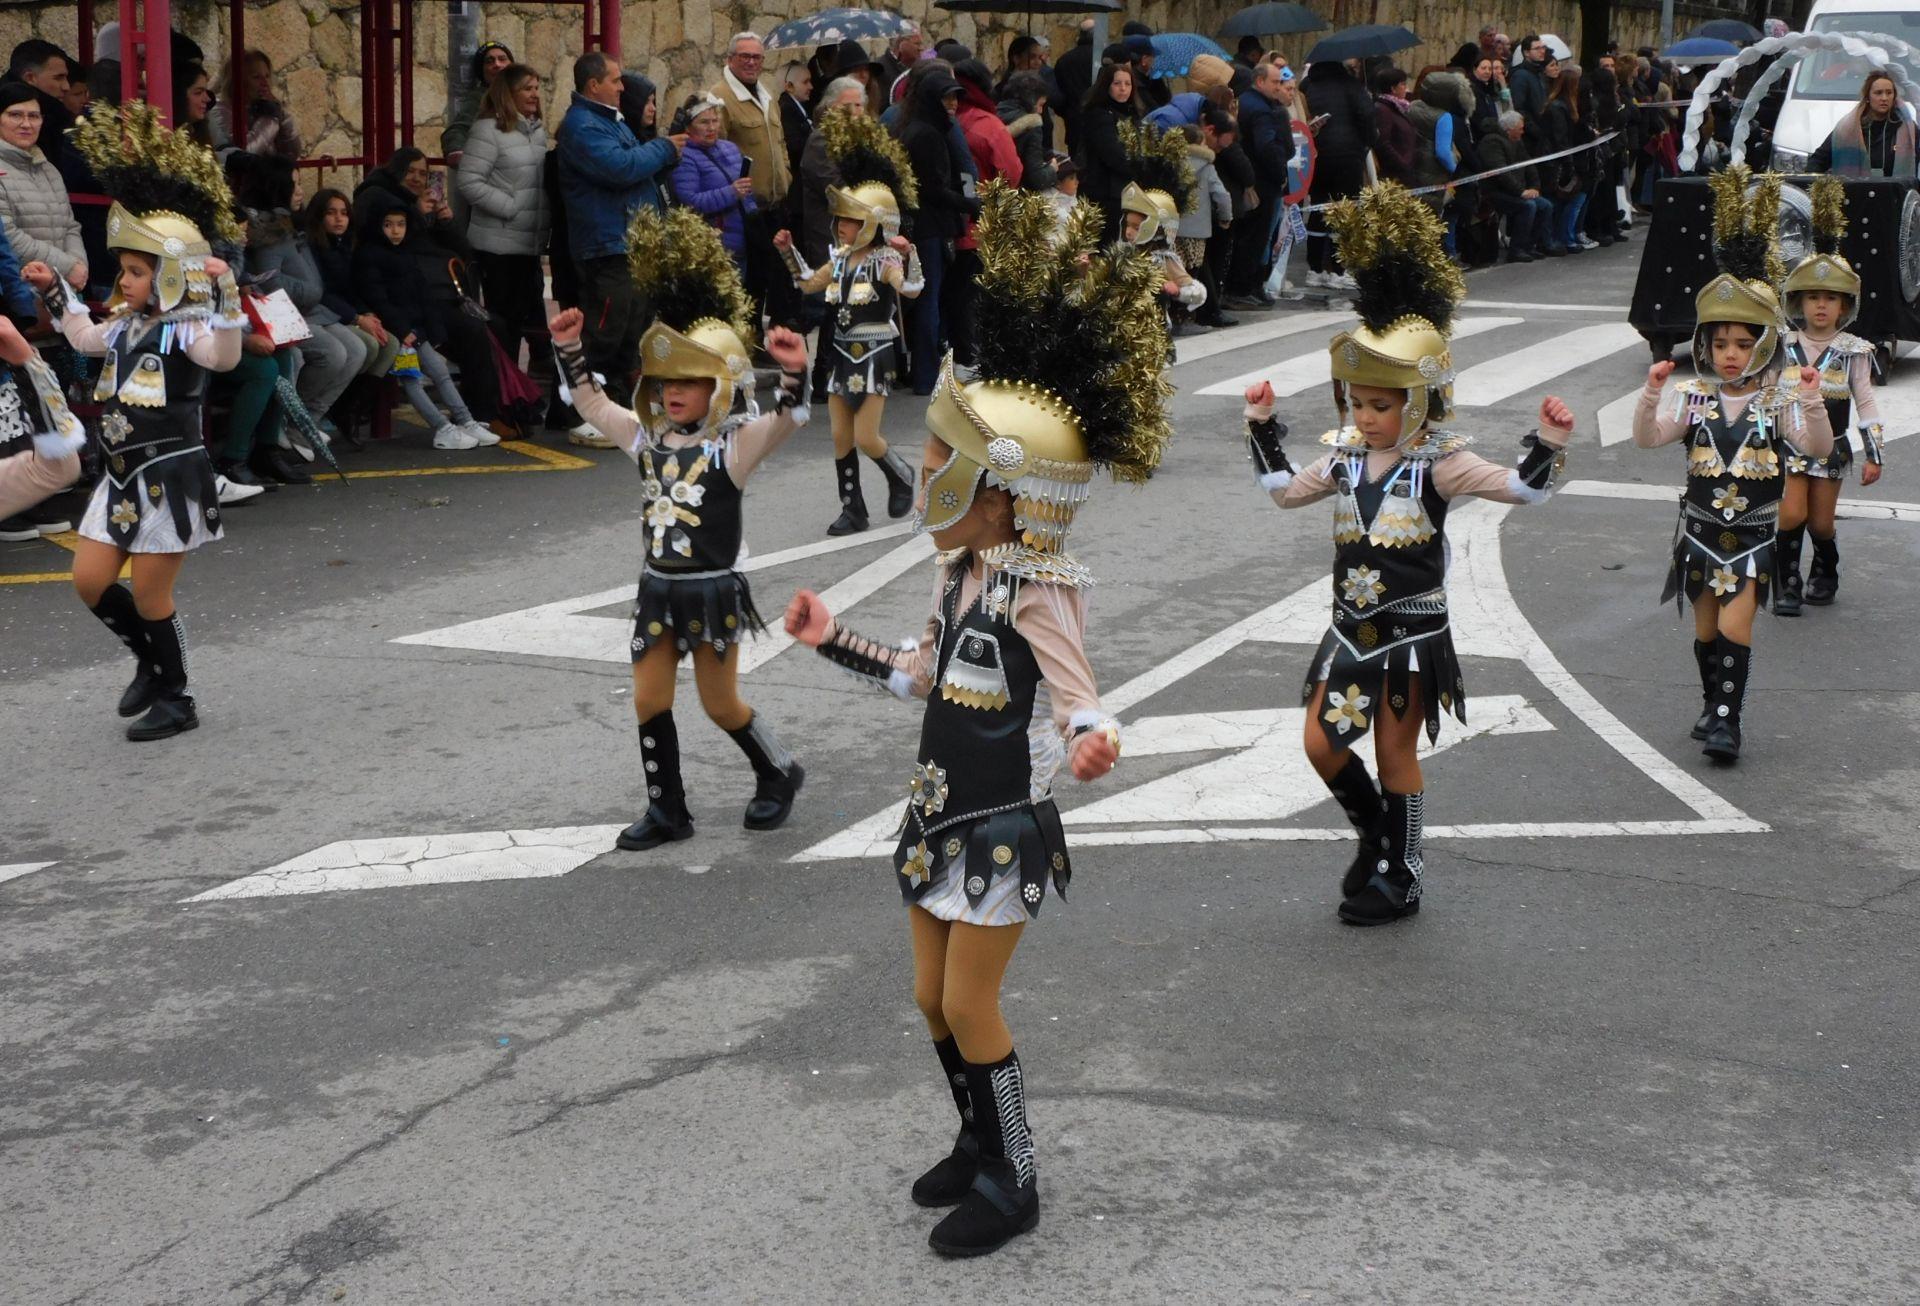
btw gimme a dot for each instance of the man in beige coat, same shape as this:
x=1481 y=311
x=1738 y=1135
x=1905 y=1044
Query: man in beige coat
x=750 y=118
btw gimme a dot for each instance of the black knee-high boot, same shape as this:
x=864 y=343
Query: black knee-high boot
x=1004 y=1200
x=666 y=817
x=777 y=776
x=953 y=1174
x=1823 y=577
x=853 y=504
x=1393 y=889
x=1786 y=572
x=1360 y=799
x=899 y=483
x=1704 y=658
x=172 y=711
x=1732 y=663
x=118 y=614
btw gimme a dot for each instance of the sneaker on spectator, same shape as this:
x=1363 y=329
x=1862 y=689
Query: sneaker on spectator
x=454 y=437
x=1339 y=281
x=481 y=435
x=588 y=436
x=233 y=492
x=1587 y=242
x=17 y=528
x=1316 y=280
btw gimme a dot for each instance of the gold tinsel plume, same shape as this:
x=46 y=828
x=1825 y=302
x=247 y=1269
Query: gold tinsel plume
x=684 y=273
x=151 y=168
x=1394 y=248
x=1746 y=224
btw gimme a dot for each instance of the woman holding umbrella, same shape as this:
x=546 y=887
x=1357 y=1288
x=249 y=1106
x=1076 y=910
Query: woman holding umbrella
x=1104 y=171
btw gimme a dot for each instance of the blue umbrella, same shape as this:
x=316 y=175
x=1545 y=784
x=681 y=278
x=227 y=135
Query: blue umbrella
x=1174 y=52
x=1699 y=49
x=1275 y=18
x=832 y=26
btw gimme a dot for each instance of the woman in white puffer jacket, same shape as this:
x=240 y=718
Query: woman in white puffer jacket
x=500 y=179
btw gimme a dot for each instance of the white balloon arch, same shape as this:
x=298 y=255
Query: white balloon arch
x=1882 y=52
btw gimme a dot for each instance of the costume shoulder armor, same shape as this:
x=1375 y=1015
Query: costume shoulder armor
x=1026 y=563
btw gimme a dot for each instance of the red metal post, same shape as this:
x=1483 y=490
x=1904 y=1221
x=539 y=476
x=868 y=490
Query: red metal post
x=146 y=63
x=236 y=61
x=609 y=25
x=378 y=127
x=406 y=74
x=86 y=32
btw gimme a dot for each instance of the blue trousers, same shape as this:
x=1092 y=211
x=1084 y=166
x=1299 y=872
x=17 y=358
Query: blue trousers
x=923 y=314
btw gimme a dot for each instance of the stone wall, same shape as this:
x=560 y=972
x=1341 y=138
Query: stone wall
x=315 y=44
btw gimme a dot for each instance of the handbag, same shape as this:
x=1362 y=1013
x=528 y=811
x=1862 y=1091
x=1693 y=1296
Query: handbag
x=406 y=364
x=274 y=316
x=472 y=307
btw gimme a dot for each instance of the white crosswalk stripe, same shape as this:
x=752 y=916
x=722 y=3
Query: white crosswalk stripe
x=1537 y=364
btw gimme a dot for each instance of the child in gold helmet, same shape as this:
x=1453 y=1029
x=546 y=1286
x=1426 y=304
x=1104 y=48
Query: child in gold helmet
x=1392 y=473
x=1736 y=417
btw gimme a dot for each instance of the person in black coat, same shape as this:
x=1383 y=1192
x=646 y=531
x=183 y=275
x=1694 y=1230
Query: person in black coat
x=1104 y=170
x=1073 y=74
x=923 y=131
x=1266 y=133
x=1340 y=148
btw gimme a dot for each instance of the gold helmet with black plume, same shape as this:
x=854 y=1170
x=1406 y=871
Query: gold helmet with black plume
x=1162 y=185
x=702 y=327
x=1393 y=247
x=170 y=199
x=877 y=187
x=1823 y=268
x=1746 y=248
x=1069 y=378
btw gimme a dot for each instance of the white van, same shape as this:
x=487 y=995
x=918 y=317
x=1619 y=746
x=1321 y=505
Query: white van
x=1825 y=86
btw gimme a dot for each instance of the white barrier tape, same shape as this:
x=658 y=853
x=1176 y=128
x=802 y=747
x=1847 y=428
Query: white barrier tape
x=1492 y=172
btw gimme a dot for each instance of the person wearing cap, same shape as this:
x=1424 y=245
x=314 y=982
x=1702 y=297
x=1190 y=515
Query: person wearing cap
x=1148 y=89
x=482 y=68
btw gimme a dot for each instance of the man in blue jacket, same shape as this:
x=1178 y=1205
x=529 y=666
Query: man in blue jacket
x=606 y=173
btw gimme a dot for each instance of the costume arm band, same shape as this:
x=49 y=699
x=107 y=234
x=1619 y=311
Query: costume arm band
x=1873 y=442
x=1270 y=463
x=227 y=313
x=60 y=301
x=795 y=264
x=916 y=276
x=866 y=660
x=1193 y=294
x=790 y=397
x=1533 y=479
x=573 y=365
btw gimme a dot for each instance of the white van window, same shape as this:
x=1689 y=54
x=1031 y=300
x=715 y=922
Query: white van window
x=1831 y=75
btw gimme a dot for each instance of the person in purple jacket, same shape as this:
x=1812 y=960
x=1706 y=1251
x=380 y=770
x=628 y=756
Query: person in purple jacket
x=711 y=177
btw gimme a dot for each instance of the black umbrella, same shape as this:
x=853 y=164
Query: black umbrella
x=1364 y=42
x=1273 y=19
x=1729 y=29
x=1030 y=6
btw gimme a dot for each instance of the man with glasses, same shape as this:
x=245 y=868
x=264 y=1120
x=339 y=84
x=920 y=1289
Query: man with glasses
x=34 y=210
x=751 y=120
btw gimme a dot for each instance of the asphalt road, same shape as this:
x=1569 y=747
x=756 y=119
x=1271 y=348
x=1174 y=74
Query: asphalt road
x=1652 y=1039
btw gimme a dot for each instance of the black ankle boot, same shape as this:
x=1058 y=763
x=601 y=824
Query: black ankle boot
x=778 y=777
x=853 y=504
x=117 y=613
x=899 y=484
x=1732 y=662
x=1786 y=574
x=1393 y=888
x=666 y=818
x=950 y=1178
x=1703 y=658
x=1360 y=799
x=1823 y=577
x=172 y=711
x=1004 y=1200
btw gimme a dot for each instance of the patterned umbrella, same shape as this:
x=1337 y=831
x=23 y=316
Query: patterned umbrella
x=1029 y=6
x=1174 y=52
x=832 y=26
x=1273 y=19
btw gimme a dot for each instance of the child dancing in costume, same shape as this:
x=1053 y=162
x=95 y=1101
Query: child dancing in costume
x=1150 y=210
x=1392 y=474
x=174 y=317
x=1736 y=420
x=697 y=438
x=1822 y=295
x=1069 y=379
x=865 y=278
